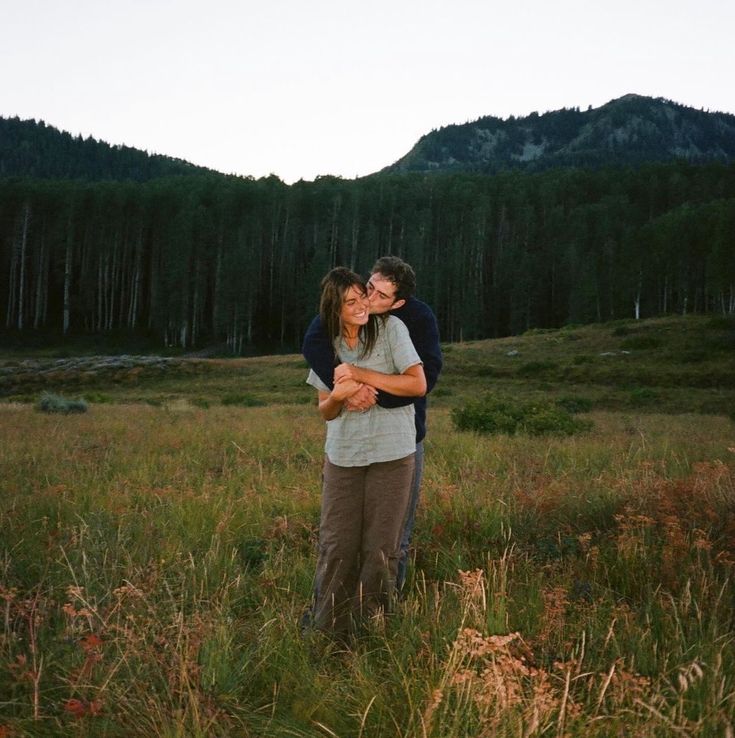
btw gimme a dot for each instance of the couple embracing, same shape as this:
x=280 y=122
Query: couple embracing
x=374 y=354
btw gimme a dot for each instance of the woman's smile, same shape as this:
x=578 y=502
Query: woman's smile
x=355 y=307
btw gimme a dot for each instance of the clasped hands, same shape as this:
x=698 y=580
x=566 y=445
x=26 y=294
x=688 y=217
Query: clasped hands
x=355 y=394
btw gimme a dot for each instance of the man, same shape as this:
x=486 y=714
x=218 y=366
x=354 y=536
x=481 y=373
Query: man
x=390 y=288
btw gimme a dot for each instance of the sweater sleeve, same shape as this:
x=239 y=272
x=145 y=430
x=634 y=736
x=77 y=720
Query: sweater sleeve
x=319 y=352
x=424 y=331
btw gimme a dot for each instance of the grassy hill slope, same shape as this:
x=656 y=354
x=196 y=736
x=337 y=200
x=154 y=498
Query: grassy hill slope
x=674 y=364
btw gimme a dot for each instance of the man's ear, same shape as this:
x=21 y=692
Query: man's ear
x=397 y=304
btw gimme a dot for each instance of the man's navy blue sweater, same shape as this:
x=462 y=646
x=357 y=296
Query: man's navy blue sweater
x=424 y=331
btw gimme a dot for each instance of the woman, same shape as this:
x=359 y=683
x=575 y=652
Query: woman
x=369 y=456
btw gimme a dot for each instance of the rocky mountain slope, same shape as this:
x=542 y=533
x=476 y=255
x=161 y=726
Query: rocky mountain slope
x=628 y=131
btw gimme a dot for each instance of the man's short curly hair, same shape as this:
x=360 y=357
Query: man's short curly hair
x=396 y=270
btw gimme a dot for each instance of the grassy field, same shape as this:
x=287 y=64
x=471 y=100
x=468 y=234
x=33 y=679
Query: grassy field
x=158 y=550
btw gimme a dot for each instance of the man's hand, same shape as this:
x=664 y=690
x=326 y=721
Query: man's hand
x=362 y=400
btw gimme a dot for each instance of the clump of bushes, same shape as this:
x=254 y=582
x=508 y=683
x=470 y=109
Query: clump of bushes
x=492 y=416
x=644 y=396
x=532 y=368
x=243 y=400
x=574 y=405
x=583 y=359
x=721 y=322
x=51 y=403
x=640 y=343
x=97 y=398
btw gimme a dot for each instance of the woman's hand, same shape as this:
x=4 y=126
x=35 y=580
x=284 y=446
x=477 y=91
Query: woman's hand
x=344 y=387
x=362 y=400
x=330 y=403
x=347 y=371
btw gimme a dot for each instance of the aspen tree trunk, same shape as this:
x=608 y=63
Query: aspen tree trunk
x=135 y=288
x=153 y=285
x=67 y=286
x=125 y=281
x=100 y=295
x=355 y=237
x=114 y=287
x=250 y=322
x=334 y=235
x=22 y=265
x=10 y=314
x=195 y=308
x=282 y=273
x=40 y=276
x=216 y=289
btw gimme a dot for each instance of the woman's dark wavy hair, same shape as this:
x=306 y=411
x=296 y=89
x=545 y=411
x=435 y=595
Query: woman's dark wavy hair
x=334 y=287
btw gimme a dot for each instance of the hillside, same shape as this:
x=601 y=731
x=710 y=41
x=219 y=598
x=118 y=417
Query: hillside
x=665 y=365
x=628 y=131
x=33 y=149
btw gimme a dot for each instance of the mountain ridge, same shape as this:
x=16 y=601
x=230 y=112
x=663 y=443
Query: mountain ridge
x=629 y=130
x=31 y=148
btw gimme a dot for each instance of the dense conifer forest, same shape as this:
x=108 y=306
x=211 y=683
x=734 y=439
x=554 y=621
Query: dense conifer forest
x=197 y=260
x=200 y=260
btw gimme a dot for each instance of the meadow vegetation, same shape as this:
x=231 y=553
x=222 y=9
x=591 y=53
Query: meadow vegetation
x=158 y=550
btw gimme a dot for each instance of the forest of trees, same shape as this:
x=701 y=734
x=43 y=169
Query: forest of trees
x=204 y=259
x=31 y=148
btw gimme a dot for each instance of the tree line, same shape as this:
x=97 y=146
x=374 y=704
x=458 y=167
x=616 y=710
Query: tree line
x=30 y=148
x=197 y=260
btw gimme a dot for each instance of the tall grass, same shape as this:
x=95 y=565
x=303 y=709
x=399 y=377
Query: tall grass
x=155 y=562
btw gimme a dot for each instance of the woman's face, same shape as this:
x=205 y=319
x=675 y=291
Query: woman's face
x=355 y=307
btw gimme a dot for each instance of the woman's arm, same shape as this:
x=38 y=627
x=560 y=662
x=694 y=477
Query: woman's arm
x=330 y=403
x=412 y=383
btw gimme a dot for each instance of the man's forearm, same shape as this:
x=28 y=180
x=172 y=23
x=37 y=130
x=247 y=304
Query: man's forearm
x=388 y=401
x=411 y=383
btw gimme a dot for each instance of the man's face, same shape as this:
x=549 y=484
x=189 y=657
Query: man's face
x=382 y=294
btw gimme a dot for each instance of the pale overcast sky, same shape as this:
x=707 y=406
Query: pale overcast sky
x=300 y=88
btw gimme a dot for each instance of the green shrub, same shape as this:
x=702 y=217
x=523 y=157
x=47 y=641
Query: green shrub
x=644 y=396
x=51 y=403
x=583 y=359
x=640 y=343
x=538 y=331
x=575 y=404
x=492 y=416
x=535 y=367
x=693 y=356
x=484 y=370
x=622 y=330
x=243 y=400
x=99 y=398
x=722 y=322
